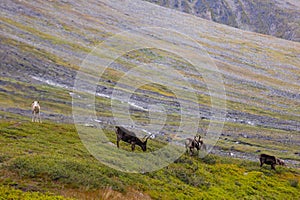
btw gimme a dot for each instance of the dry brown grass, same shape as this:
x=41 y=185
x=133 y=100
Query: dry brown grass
x=104 y=194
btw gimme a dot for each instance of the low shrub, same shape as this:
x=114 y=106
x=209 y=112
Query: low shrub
x=294 y=183
x=68 y=171
x=209 y=159
x=15 y=194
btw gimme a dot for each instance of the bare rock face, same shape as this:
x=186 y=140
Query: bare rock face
x=279 y=18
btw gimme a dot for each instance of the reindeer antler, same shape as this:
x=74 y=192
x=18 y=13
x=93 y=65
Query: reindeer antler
x=199 y=137
x=147 y=137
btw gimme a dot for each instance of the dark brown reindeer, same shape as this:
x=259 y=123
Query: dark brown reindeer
x=129 y=137
x=270 y=160
x=191 y=144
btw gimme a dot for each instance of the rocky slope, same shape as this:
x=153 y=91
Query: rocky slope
x=279 y=18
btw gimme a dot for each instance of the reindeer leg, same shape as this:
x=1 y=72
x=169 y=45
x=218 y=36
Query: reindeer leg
x=40 y=118
x=132 y=146
x=118 y=140
x=191 y=151
x=261 y=162
x=273 y=166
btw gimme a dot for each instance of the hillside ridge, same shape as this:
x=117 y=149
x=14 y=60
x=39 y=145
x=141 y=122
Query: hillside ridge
x=278 y=18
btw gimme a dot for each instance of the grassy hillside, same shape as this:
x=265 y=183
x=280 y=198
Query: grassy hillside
x=43 y=44
x=48 y=159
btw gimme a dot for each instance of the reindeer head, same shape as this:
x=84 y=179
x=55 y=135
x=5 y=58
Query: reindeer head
x=197 y=138
x=144 y=144
x=35 y=103
x=280 y=162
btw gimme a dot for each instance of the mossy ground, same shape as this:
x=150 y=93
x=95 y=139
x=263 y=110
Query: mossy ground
x=50 y=157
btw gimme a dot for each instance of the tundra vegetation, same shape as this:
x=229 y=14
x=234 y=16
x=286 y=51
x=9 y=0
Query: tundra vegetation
x=49 y=160
x=42 y=46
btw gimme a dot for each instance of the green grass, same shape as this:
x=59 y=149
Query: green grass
x=50 y=157
x=11 y=193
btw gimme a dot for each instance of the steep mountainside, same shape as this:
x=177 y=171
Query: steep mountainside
x=279 y=18
x=45 y=42
x=146 y=62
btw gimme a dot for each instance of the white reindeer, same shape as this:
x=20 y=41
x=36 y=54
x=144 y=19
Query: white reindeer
x=36 y=108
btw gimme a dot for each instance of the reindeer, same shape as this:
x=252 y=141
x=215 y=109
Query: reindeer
x=270 y=160
x=129 y=137
x=36 y=108
x=191 y=144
